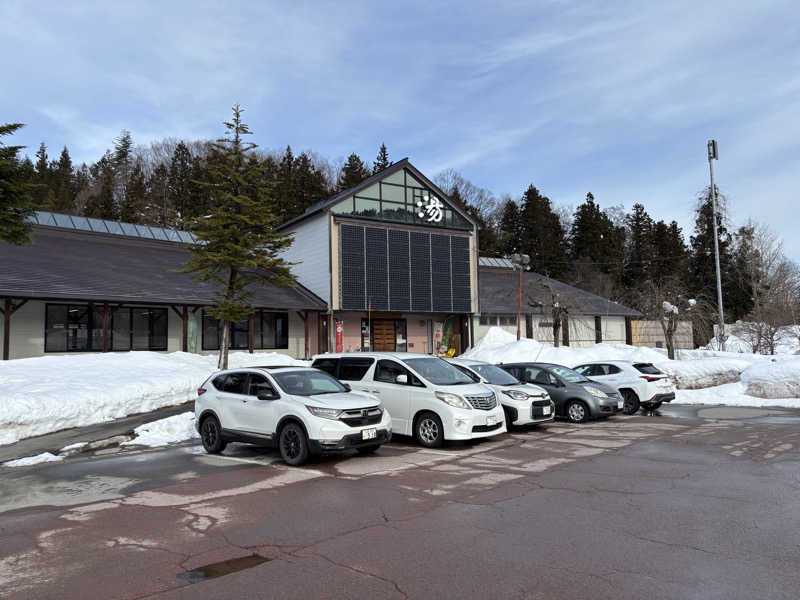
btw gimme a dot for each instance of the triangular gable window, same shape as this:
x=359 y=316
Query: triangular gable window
x=401 y=198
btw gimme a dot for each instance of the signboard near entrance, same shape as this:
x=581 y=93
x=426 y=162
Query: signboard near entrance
x=339 y=328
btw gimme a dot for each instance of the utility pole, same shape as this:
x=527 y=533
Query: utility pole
x=712 y=156
x=521 y=262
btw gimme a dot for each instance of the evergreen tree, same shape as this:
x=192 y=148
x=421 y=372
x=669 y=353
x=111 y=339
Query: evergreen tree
x=123 y=159
x=63 y=184
x=510 y=234
x=669 y=253
x=180 y=170
x=542 y=237
x=382 y=160
x=132 y=208
x=639 y=247
x=16 y=194
x=157 y=206
x=309 y=183
x=100 y=202
x=236 y=245
x=353 y=172
x=42 y=167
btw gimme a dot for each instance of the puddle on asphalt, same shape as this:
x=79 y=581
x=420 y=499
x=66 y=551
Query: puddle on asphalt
x=221 y=568
x=777 y=420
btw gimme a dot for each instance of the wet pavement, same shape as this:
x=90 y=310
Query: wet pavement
x=684 y=504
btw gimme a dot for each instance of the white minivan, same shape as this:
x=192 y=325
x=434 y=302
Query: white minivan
x=427 y=397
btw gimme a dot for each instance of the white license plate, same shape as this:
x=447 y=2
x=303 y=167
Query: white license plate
x=369 y=434
x=545 y=410
x=620 y=403
x=490 y=420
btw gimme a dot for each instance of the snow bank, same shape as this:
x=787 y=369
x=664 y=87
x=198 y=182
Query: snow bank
x=33 y=460
x=779 y=379
x=171 y=430
x=696 y=369
x=731 y=394
x=45 y=394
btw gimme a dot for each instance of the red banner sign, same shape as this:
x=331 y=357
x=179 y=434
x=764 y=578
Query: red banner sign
x=339 y=336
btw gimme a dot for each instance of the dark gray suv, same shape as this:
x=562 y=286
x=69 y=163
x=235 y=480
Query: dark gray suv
x=576 y=398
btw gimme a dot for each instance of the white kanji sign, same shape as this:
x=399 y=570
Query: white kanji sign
x=430 y=209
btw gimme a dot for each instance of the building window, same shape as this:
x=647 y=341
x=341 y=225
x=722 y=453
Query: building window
x=76 y=328
x=270 y=332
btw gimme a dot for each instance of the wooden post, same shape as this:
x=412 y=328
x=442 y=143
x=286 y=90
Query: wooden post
x=629 y=331
x=598 y=329
x=305 y=334
x=185 y=329
x=565 y=330
x=251 y=332
x=106 y=314
x=9 y=308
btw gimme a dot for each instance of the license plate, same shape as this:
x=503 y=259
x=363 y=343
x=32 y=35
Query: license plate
x=545 y=410
x=620 y=403
x=369 y=434
x=490 y=420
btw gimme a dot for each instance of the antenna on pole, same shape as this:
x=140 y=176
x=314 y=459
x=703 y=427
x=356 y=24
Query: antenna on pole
x=712 y=156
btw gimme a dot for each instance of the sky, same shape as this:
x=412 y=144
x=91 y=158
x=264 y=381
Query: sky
x=614 y=98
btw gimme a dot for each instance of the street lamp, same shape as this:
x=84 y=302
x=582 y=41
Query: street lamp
x=712 y=156
x=521 y=262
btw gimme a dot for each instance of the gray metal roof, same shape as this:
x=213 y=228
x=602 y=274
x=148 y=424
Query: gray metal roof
x=78 y=264
x=148 y=232
x=393 y=168
x=498 y=289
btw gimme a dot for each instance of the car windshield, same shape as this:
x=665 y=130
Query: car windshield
x=438 y=371
x=495 y=375
x=307 y=383
x=568 y=375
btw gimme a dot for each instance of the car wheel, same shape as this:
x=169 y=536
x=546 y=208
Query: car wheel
x=293 y=445
x=509 y=419
x=429 y=431
x=211 y=435
x=631 y=402
x=368 y=449
x=577 y=411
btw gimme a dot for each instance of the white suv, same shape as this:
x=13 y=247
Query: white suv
x=640 y=383
x=300 y=410
x=523 y=403
x=428 y=397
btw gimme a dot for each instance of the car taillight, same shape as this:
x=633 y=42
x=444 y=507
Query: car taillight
x=651 y=378
x=201 y=391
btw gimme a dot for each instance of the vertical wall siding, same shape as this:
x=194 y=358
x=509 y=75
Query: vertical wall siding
x=311 y=253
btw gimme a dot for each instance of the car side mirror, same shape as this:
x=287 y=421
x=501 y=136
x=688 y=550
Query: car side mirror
x=401 y=379
x=347 y=387
x=268 y=396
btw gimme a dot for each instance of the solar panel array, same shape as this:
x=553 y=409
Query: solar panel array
x=398 y=270
x=51 y=219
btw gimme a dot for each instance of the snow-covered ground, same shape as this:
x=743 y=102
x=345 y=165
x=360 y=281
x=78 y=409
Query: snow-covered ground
x=33 y=460
x=702 y=376
x=48 y=393
x=170 y=430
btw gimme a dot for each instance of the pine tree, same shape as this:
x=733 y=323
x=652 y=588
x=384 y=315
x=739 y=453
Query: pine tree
x=510 y=236
x=16 y=194
x=132 y=208
x=100 y=202
x=639 y=247
x=42 y=167
x=63 y=184
x=236 y=245
x=542 y=237
x=180 y=169
x=123 y=159
x=669 y=253
x=382 y=160
x=353 y=172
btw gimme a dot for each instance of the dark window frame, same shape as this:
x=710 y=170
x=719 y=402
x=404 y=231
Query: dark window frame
x=94 y=328
x=280 y=336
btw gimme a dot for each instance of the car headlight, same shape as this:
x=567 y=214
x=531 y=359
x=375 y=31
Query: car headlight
x=325 y=413
x=595 y=392
x=453 y=400
x=516 y=394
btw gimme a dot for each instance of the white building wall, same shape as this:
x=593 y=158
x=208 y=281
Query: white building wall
x=613 y=330
x=311 y=251
x=581 y=328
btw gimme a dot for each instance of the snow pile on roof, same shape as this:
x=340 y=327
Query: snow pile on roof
x=48 y=393
x=171 y=430
x=33 y=460
x=768 y=379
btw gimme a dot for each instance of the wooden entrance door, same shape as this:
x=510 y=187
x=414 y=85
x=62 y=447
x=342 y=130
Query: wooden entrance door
x=383 y=335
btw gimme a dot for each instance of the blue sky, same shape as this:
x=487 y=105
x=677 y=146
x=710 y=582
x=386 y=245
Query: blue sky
x=616 y=98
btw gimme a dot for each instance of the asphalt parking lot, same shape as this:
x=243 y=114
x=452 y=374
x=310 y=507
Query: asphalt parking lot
x=696 y=503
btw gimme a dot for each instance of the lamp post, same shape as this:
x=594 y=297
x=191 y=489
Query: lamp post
x=712 y=156
x=521 y=262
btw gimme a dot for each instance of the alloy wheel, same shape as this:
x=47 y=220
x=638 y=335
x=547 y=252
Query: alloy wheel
x=428 y=430
x=576 y=412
